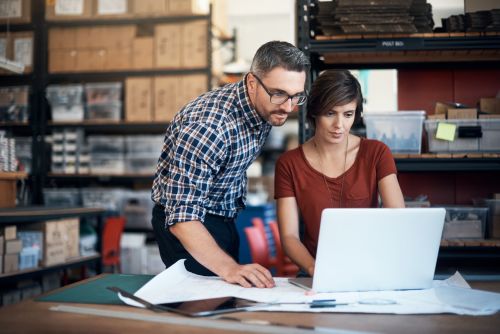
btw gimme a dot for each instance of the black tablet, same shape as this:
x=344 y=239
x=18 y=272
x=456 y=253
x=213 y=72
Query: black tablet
x=208 y=307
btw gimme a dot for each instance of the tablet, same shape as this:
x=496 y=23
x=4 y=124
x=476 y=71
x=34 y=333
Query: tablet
x=208 y=307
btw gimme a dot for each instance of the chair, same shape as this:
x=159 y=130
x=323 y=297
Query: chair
x=284 y=266
x=111 y=236
x=258 y=246
x=259 y=224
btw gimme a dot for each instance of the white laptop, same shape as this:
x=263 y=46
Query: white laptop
x=376 y=249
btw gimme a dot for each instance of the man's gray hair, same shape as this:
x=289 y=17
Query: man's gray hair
x=279 y=54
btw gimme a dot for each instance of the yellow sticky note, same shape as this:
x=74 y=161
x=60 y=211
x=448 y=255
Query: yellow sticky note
x=446 y=131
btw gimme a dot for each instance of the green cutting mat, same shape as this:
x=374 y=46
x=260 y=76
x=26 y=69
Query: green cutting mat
x=95 y=292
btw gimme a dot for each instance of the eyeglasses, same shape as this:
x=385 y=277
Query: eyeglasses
x=280 y=98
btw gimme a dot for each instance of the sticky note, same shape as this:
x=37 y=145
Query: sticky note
x=446 y=131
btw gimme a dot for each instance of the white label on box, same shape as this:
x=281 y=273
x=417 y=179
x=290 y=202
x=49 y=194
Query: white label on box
x=3 y=47
x=10 y=9
x=107 y=7
x=69 y=7
x=23 y=51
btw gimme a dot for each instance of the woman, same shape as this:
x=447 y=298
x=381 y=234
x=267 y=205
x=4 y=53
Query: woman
x=332 y=169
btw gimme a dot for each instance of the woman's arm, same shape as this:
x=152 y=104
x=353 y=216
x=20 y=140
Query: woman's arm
x=288 y=222
x=390 y=191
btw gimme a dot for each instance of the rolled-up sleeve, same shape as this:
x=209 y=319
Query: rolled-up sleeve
x=195 y=160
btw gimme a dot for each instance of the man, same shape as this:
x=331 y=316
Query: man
x=200 y=181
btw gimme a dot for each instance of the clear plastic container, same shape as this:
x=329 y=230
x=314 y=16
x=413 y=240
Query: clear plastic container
x=68 y=112
x=141 y=164
x=150 y=145
x=103 y=92
x=105 y=112
x=463 y=222
x=401 y=130
x=107 y=164
x=106 y=144
x=137 y=209
x=66 y=197
x=14 y=104
x=110 y=199
x=493 y=223
x=65 y=95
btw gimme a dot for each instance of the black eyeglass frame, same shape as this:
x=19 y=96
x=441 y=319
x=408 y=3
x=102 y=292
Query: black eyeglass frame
x=282 y=96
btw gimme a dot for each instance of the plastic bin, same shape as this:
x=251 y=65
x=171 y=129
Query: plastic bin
x=103 y=92
x=465 y=223
x=14 y=104
x=493 y=222
x=105 y=112
x=137 y=209
x=150 y=145
x=401 y=131
x=107 y=163
x=106 y=144
x=111 y=199
x=66 y=197
x=141 y=164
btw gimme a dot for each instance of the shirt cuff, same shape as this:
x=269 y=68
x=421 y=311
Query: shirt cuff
x=185 y=213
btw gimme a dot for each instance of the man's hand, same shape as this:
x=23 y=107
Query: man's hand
x=249 y=275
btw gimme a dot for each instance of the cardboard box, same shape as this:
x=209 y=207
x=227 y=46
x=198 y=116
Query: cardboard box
x=167 y=97
x=436 y=116
x=54 y=249
x=9 y=232
x=142 y=53
x=62 y=38
x=139 y=94
x=119 y=37
x=62 y=60
x=489 y=105
x=68 y=11
x=118 y=59
x=149 y=7
x=168 y=45
x=13 y=246
x=194 y=44
x=193 y=86
x=112 y=9
x=72 y=237
x=465 y=113
x=10 y=263
x=22 y=49
x=441 y=108
x=185 y=7
x=494 y=228
x=15 y=11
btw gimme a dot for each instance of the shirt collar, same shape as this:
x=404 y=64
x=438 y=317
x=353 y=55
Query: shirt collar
x=251 y=115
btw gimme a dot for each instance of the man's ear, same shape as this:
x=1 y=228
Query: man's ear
x=251 y=82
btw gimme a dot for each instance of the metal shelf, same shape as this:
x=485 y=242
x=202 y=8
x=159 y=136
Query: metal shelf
x=42 y=213
x=447 y=165
x=113 y=127
x=82 y=260
x=101 y=177
x=125 y=20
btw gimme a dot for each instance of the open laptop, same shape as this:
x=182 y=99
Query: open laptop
x=376 y=249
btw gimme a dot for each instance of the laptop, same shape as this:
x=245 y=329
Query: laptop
x=376 y=249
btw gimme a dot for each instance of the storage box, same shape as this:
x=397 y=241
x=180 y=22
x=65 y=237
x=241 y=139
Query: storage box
x=401 y=131
x=167 y=97
x=493 y=223
x=139 y=97
x=72 y=237
x=141 y=164
x=10 y=263
x=13 y=246
x=105 y=112
x=185 y=7
x=194 y=44
x=22 y=49
x=168 y=45
x=488 y=129
x=465 y=223
x=137 y=209
x=490 y=105
x=149 y=7
x=106 y=144
x=14 y=104
x=9 y=232
x=15 y=11
x=54 y=249
x=144 y=145
x=107 y=164
x=67 y=95
x=142 y=53
x=68 y=10
x=65 y=197
x=105 y=92
x=107 y=198
x=62 y=60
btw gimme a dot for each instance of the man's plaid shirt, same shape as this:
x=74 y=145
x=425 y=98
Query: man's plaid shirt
x=206 y=151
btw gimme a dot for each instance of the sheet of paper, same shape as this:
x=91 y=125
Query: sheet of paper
x=69 y=7
x=105 y=7
x=176 y=284
x=10 y=9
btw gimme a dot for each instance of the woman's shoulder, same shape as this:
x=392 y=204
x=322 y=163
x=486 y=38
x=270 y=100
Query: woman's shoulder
x=291 y=156
x=374 y=145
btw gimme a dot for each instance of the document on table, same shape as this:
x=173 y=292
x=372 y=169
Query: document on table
x=176 y=284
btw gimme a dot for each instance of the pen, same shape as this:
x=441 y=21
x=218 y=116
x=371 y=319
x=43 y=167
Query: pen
x=321 y=305
x=316 y=301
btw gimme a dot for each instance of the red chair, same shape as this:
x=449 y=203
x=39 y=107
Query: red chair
x=259 y=224
x=111 y=236
x=258 y=246
x=284 y=266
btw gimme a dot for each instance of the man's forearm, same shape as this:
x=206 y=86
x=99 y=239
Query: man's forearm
x=203 y=247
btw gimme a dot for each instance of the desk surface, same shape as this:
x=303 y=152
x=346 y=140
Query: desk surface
x=35 y=317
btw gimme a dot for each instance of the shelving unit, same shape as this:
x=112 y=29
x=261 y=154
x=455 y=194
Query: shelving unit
x=29 y=215
x=472 y=51
x=40 y=126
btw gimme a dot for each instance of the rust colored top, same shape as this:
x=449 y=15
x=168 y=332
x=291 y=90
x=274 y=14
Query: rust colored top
x=295 y=177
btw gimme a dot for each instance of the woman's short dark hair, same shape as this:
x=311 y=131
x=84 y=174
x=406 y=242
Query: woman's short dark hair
x=279 y=54
x=333 y=88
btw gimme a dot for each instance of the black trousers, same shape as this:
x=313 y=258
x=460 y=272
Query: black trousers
x=222 y=229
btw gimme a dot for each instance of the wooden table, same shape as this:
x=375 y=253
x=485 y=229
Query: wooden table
x=35 y=317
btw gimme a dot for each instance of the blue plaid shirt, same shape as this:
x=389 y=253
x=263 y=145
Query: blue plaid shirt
x=207 y=149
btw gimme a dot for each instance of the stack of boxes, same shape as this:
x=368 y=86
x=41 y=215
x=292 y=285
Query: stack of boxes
x=14 y=104
x=8 y=161
x=68 y=152
x=107 y=154
x=10 y=249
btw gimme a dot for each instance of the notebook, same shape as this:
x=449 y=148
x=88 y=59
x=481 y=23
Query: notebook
x=376 y=249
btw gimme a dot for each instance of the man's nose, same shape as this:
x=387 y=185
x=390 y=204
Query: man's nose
x=287 y=105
